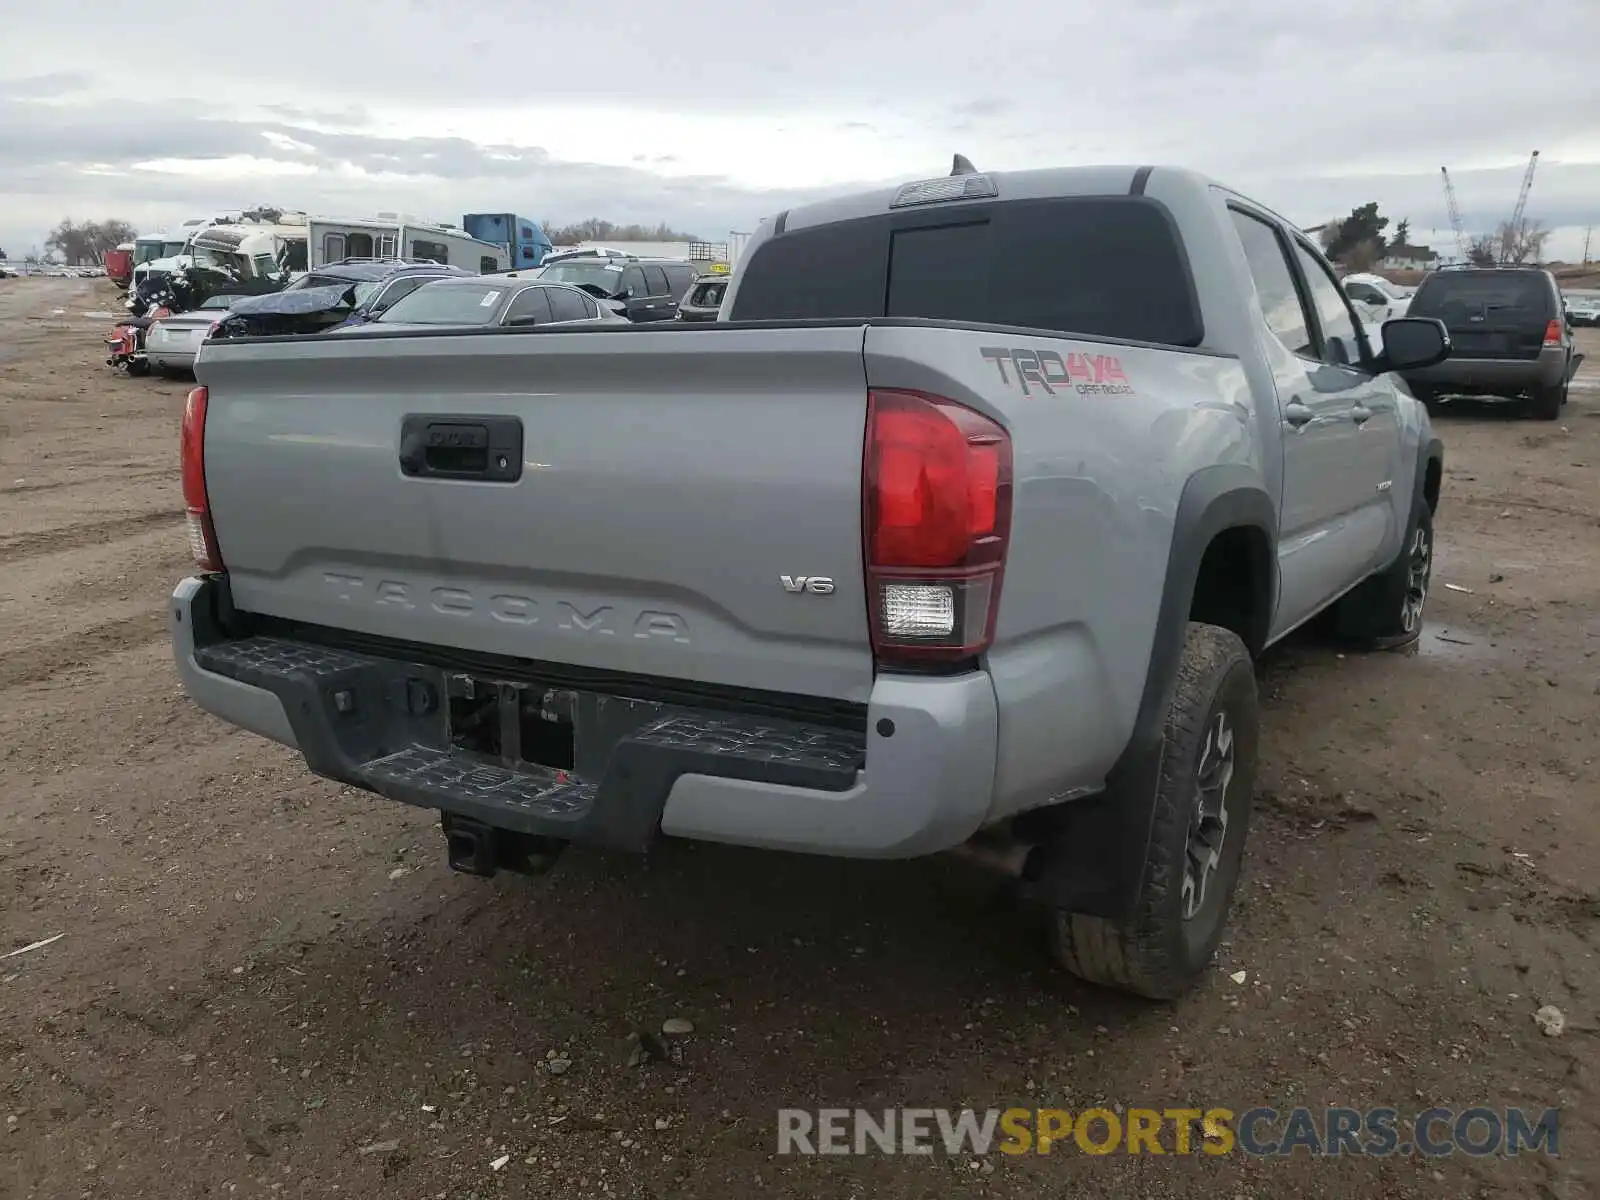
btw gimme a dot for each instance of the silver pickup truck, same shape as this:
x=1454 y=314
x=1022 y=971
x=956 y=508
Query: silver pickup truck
x=959 y=530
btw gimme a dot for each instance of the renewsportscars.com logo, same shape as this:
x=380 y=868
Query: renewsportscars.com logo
x=1258 y=1132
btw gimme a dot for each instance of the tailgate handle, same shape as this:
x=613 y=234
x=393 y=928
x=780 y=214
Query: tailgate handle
x=451 y=446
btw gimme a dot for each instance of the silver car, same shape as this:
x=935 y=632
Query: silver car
x=172 y=342
x=483 y=301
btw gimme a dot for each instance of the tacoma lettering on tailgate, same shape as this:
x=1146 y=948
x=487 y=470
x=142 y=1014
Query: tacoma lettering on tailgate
x=508 y=608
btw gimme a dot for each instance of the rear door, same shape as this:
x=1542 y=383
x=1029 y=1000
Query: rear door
x=1317 y=556
x=1372 y=408
x=660 y=303
x=530 y=306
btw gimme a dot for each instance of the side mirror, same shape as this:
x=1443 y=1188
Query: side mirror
x=1411 y=343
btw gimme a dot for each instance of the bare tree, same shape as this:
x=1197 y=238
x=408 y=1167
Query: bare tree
x=86 y=244
x=594 y=229
x=1522 y=242
x=1481 y=251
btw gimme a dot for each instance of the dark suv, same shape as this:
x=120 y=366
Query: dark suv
x=648 y=288
x=1509 y=333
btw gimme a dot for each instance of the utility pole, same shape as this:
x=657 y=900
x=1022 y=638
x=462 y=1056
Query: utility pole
x=1586 y=234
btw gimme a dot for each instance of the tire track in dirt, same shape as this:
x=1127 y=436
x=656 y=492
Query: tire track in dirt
x=128 y=477
x=42 y=660
x=74 y=537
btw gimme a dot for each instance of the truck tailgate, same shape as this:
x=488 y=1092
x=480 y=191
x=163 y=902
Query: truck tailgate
x=669 y=483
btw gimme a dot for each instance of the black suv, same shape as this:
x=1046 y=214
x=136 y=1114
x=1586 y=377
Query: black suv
x=648 y=288
x=1509 y=332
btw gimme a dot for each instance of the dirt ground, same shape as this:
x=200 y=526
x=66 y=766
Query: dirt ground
x=268 y=985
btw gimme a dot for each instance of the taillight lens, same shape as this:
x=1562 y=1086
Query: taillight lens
x=1552 y=333
x=197 y=507
x=937 y=501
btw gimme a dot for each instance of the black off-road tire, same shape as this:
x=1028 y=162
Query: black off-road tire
x=1544 y=403
x=138 y=370
x=1387 y=611
x=1156 y=952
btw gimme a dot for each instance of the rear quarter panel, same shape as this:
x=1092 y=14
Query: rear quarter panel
x=1105 y=437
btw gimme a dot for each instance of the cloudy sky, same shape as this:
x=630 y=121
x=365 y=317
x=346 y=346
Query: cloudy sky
x=715 y=114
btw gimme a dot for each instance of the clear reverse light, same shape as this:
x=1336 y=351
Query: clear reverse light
x=919 y=610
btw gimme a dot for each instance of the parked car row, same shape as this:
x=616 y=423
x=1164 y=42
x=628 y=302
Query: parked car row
x=584 y=287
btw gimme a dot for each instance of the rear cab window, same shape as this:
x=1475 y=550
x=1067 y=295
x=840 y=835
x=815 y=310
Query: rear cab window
x=1108 y=266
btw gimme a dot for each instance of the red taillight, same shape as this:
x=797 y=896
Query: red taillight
x=202 y=534
x=937 y=513
x=1552 y=334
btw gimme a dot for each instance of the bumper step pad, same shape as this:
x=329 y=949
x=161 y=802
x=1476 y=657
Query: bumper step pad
x=354 y=722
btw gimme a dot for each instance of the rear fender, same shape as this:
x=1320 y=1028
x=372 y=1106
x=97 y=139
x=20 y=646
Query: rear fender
x=1093 y=861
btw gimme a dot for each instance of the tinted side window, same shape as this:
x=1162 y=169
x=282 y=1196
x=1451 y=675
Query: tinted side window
x=400 y=287
x=1280 y=301
x=679 y=278
x=566 y=305
x=1103 y=265
x=633 y=282
x=1365 y=293
x=531 y=307
x=656 y=278
x=1340 y=344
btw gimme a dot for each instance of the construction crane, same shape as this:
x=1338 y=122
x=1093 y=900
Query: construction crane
x=1513 y=236
x=1455 y=213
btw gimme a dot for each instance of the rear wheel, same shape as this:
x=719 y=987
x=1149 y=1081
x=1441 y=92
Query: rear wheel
x=138 y=369
x=1196 y=841
x=1544 y=403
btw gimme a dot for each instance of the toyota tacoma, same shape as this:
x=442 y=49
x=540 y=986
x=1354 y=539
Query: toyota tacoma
x=960 y=531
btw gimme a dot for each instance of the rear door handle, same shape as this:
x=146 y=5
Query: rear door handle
x=1360 y=414
x=1297 y=414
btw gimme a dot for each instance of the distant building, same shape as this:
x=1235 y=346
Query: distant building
x=1408 y=258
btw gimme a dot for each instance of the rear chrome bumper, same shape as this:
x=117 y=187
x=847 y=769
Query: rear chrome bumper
x=915 y=778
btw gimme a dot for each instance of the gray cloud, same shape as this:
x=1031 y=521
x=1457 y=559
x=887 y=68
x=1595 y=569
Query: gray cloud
x=1272 y=98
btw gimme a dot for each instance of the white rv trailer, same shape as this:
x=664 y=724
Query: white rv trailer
x=396 y=235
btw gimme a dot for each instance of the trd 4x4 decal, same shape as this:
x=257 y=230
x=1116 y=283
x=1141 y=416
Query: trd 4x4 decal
x=1086 y=374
